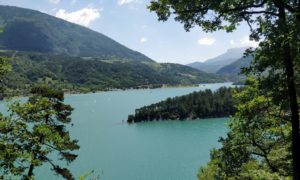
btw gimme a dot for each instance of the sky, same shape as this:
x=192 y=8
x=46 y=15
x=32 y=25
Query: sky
x=130 y=23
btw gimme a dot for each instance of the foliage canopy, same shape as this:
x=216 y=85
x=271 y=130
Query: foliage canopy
x=267 y=123
x=34 y=131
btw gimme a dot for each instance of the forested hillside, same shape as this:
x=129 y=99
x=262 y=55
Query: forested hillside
x=75 y=74
x=48 y=50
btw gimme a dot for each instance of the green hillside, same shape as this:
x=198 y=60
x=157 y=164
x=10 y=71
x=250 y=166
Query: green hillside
x=77 y=74
x=73 y=58
x=30 y=30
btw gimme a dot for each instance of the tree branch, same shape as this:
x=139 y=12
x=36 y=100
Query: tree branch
x=265 y=154
x=278 y=4
x=236 y=9
x=260 y=12
x=247 y=20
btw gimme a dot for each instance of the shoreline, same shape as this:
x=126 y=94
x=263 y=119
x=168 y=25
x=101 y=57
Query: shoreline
x=162 y=87
x=142 y=87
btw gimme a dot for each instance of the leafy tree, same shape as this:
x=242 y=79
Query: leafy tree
x=276 y=23
x=34 y=131
x=4 y=66
x=258 y=144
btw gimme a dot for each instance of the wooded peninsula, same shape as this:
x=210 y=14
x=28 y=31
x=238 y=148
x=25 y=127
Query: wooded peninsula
x=202 y=104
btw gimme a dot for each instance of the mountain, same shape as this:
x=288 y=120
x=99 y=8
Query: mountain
x=73 y=58
x=77 y=74
x=233 y=70
x=33 y=31
x=214 y=64
x=235 y=67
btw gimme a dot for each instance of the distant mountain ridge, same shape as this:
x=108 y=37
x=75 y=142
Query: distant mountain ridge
x=33 y=31
x=214 y=64
x=235 y=67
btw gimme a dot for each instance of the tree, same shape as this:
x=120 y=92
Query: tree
x=33 y=131
x=258 y=143
x=5 y=67
x=202 y=104
x=276 y=23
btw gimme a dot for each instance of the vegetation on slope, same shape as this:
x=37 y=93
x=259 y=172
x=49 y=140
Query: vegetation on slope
x=33 y=31
x=77 y=74
x=73 y=58
x=203 y=104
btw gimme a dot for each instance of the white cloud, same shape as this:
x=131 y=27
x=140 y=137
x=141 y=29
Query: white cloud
x=206 y=41
x=122 y=2
x=245 y=41
x=54 y=1
x=143 y=40
x=82 y=17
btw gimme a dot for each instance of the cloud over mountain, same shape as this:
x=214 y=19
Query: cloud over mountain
x=82 y=17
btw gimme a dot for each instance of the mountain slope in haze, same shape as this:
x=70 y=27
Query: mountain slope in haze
x=78 y=74
x=33 y=31
x=233 y=70
x=235 y=67
x=215 y=64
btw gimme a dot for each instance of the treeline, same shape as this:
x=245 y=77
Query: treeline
x=202 y=104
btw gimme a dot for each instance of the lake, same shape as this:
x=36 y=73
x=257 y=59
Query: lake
x=168 y=150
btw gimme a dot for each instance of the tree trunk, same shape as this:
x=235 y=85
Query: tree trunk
x=30 y=172
x=31 y=168
x=288 y=60
x=295 y=115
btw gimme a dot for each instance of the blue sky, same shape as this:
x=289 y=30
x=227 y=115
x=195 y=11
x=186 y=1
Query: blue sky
x=130 y=23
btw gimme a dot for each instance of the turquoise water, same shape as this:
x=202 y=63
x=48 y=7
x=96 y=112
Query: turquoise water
x=169 y=150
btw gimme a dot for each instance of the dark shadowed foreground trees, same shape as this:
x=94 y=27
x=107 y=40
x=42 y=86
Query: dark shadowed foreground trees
x=276 y=24
x=34 y=132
